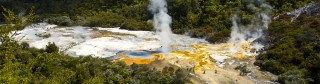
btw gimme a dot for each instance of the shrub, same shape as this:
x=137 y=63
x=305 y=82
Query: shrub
x=51 y=48
x=61 y=20
x=294 y=77
x=135 y=25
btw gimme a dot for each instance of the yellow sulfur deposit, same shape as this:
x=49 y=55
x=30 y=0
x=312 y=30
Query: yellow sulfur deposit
x=130 y=61
x=199 y=57
x=200 y=60
x=246 y=45
x=111 y=34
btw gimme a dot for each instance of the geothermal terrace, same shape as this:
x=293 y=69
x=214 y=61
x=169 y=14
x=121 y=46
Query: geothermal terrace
x=210 y=63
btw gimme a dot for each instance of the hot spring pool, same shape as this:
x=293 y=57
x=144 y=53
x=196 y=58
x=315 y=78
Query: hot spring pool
x=139 y=54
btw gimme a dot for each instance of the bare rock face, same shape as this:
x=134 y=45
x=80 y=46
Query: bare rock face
x=312 y=10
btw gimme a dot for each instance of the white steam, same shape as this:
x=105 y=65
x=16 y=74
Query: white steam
x=161 y=22
x=242 y=34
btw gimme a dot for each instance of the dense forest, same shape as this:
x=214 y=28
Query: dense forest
x=293 y=50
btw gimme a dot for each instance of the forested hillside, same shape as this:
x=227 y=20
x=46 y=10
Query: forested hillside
x=209 y=19
x=294 y=50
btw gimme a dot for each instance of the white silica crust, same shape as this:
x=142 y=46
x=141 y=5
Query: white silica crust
x=79 y=41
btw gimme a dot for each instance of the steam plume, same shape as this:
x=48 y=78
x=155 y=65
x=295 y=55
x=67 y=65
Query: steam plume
x=161 y=22
x=247 y=33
